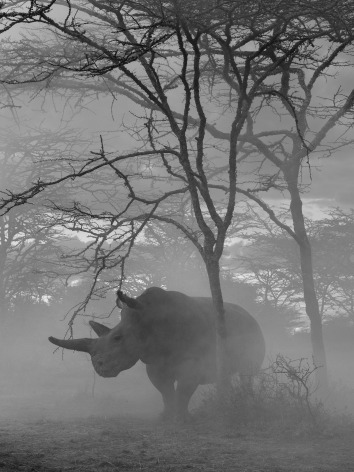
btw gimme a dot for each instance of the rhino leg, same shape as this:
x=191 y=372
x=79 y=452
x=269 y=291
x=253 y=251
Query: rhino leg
x=188 y=379
x=246 y=382
x=162 y=380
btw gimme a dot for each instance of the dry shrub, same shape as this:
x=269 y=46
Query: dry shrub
x=283 y=397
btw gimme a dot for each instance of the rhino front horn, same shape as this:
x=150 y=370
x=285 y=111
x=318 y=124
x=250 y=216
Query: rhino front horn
x=83 y=344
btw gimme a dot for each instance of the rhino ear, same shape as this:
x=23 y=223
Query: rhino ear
x=130 y=302
x=119 y=303
x=99 y=329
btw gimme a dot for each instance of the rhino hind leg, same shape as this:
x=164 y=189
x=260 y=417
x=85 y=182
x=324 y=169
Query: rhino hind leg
x=247 y=383
x=184 y=392
x=188 y=379
x=164 y=383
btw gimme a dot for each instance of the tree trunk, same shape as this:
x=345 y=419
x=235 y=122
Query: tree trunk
x=223 y=380
x=310 y=297
x=313 y=312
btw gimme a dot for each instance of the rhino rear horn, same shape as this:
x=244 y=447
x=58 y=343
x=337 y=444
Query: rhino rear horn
x=99 y=329
x=83 y=344
x=130 y=302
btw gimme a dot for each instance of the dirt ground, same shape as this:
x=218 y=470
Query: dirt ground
x=130 y=443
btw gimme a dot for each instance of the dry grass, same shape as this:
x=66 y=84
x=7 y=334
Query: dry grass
x=53 y=431
x=131 y=444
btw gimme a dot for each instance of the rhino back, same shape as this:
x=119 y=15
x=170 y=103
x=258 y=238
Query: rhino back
x=179 y=326
x=176 y=328
x=245 y=341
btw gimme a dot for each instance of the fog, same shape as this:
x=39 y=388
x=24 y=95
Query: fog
x=39 y=383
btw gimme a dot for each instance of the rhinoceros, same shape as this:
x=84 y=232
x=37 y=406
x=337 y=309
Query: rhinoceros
x=174 y=335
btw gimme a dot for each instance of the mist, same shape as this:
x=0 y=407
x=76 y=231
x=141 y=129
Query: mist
x=152 y=150
x=56 y=412
x=41 y=383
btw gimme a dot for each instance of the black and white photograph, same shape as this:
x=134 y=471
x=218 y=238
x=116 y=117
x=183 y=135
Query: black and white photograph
x=177 y=235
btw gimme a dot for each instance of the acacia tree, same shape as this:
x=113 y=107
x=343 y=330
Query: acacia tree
x=27 y=250
x=269 y=262
x=166 y=259
x=31 y=243
x=213 y=79
x=333 y=243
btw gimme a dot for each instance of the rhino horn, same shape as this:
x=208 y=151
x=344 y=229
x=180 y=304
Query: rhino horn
x=83 y=344
x=129 y=301
x=99 y=329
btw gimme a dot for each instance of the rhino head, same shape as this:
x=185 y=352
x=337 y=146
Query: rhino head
x=115 y=349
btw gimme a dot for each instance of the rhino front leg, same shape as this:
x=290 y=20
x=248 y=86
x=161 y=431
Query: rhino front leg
x=162 y=380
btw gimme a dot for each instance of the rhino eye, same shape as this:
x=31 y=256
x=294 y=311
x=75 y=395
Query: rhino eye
x=117 y=337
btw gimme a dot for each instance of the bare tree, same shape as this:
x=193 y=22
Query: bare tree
x=18 y=12
x=214 y=80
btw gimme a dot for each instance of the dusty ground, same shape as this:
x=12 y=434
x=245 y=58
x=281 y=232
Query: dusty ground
x=55 y=415
x=128 y=443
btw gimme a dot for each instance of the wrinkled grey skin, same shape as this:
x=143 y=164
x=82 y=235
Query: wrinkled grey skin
x=174 y=335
